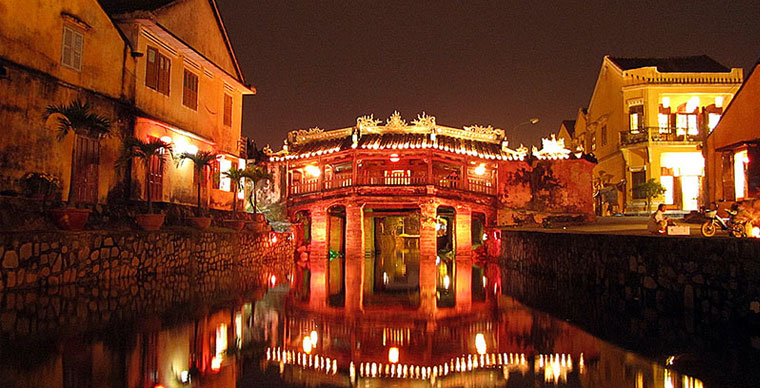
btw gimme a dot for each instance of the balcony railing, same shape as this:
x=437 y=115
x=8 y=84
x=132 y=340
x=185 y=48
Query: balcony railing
x=483 y=186
x=658 y=134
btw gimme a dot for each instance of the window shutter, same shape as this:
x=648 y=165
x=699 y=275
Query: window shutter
x=164 y=72
x=151 y=69
x=728 y=177
x=753 y=171
x=228 y=110
x=77 y=57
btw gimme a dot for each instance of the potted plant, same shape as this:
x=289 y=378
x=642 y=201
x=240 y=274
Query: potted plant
x=144 y=151
x=201 y=161
x=256 y=174
x=40 y=185
x=235 y=175
x=75 y=117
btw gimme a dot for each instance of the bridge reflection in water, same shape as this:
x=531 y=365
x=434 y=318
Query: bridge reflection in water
x=161 y=335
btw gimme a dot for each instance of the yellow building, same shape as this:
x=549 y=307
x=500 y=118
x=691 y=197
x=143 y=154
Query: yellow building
x=647 y=119
x=162 y=69
x=566 y=130
x=53 y=54
x=188 y=89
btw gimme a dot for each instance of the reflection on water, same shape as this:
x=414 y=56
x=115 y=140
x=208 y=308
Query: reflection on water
x=161 y=335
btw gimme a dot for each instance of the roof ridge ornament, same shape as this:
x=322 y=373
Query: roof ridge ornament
x=367 y=121
x=424 y=121
x=395 y=122
x=552 y=149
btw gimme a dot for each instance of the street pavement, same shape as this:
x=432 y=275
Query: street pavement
x=625 y=225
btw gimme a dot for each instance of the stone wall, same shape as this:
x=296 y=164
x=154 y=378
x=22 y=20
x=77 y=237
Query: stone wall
x=54 y=258
x=635 y=286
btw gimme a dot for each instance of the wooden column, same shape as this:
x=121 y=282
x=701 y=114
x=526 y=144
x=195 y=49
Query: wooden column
x=427 y=258
x=354 y=257
x=463 y=264
x=318 y=257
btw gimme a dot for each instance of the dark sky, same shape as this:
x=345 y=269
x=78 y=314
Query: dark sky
x=323 y=63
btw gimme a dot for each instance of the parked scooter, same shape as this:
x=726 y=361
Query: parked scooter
x=735 y=228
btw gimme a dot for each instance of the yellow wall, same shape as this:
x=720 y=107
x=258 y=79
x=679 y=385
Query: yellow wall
x=36 y=78
x=616 y=90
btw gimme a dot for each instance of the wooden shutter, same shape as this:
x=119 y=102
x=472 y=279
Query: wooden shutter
x=729 y=193
x=164 y=74
x=228 y=110
x=190 y=90
x=151 y=68
x=753 y=171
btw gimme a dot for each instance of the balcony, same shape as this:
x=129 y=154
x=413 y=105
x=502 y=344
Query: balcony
x=658 y=135
x=475 y=185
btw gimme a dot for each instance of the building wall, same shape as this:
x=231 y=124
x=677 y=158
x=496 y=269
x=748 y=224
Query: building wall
x=616 y=91
x=739 y=123
x=36 y=79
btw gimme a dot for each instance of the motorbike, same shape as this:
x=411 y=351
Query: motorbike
x=735 y=228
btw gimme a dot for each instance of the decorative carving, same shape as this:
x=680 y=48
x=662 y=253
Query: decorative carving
x=395 y=122
x=367 y=121
x=552 y=149
x=424 y=121
x=268 y=150
x=302 y=135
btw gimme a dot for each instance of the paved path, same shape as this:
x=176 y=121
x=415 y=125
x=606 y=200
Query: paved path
x=627 y=225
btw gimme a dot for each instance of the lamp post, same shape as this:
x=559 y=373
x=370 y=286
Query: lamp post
x=532 y=121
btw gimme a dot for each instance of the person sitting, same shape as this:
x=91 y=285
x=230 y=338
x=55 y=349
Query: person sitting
x=658 y=222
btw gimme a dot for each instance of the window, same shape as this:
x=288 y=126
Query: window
x=636 y=118
x=227 y=110
x=604 y=134
x=190 y=90
x=73 y=43
x=712 y=120
x=686 y=124
x=157 y=71
x=638 y=178
x=663 y=120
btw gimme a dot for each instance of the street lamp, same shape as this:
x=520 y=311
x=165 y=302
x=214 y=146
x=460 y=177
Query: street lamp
x=532 y=121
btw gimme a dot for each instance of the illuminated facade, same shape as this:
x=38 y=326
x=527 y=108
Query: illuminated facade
x=402 y=214
x=647 y=119
x=189 y=91
x=733 y=148
x=164 y=70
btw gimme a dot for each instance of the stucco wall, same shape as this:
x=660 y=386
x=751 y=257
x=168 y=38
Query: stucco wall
x=220 y=258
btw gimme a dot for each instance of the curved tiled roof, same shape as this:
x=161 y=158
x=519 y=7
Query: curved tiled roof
x=400 y=141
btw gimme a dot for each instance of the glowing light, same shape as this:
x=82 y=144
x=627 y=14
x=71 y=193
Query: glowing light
x=446 y=282
x=394 y=158
x=273 y=238
x=313 y=170
x=666 y=102
x=216 y=363
x=191 y=149
x=273 y=280
x=184 y=377
x=756 y=232
x=393 y=355
x=719 y=102
x=306 y=345
x=159 y=386
x=314 y=337
x=480 y=170
x=485 y=281
x=166 y=139
x=385 y=278
x=692 y=104
x=480 y=343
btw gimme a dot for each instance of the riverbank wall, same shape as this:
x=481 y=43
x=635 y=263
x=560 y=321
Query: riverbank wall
x=635 y=287
x=215 y=258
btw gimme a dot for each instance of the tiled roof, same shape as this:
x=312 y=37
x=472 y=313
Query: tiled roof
x=401 y=141
x=694 y=64
x=569 y=125
x=126 y=6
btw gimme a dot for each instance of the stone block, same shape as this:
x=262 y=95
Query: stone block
x=10 y=260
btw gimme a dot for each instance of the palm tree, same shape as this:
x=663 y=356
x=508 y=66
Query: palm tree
x=77 y=116
x=145 y=151
x=255 y=174
x=235 y=175
x=201 y=160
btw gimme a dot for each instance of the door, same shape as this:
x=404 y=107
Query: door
x=84 y=182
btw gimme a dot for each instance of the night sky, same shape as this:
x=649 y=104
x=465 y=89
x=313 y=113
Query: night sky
x=323 y=63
